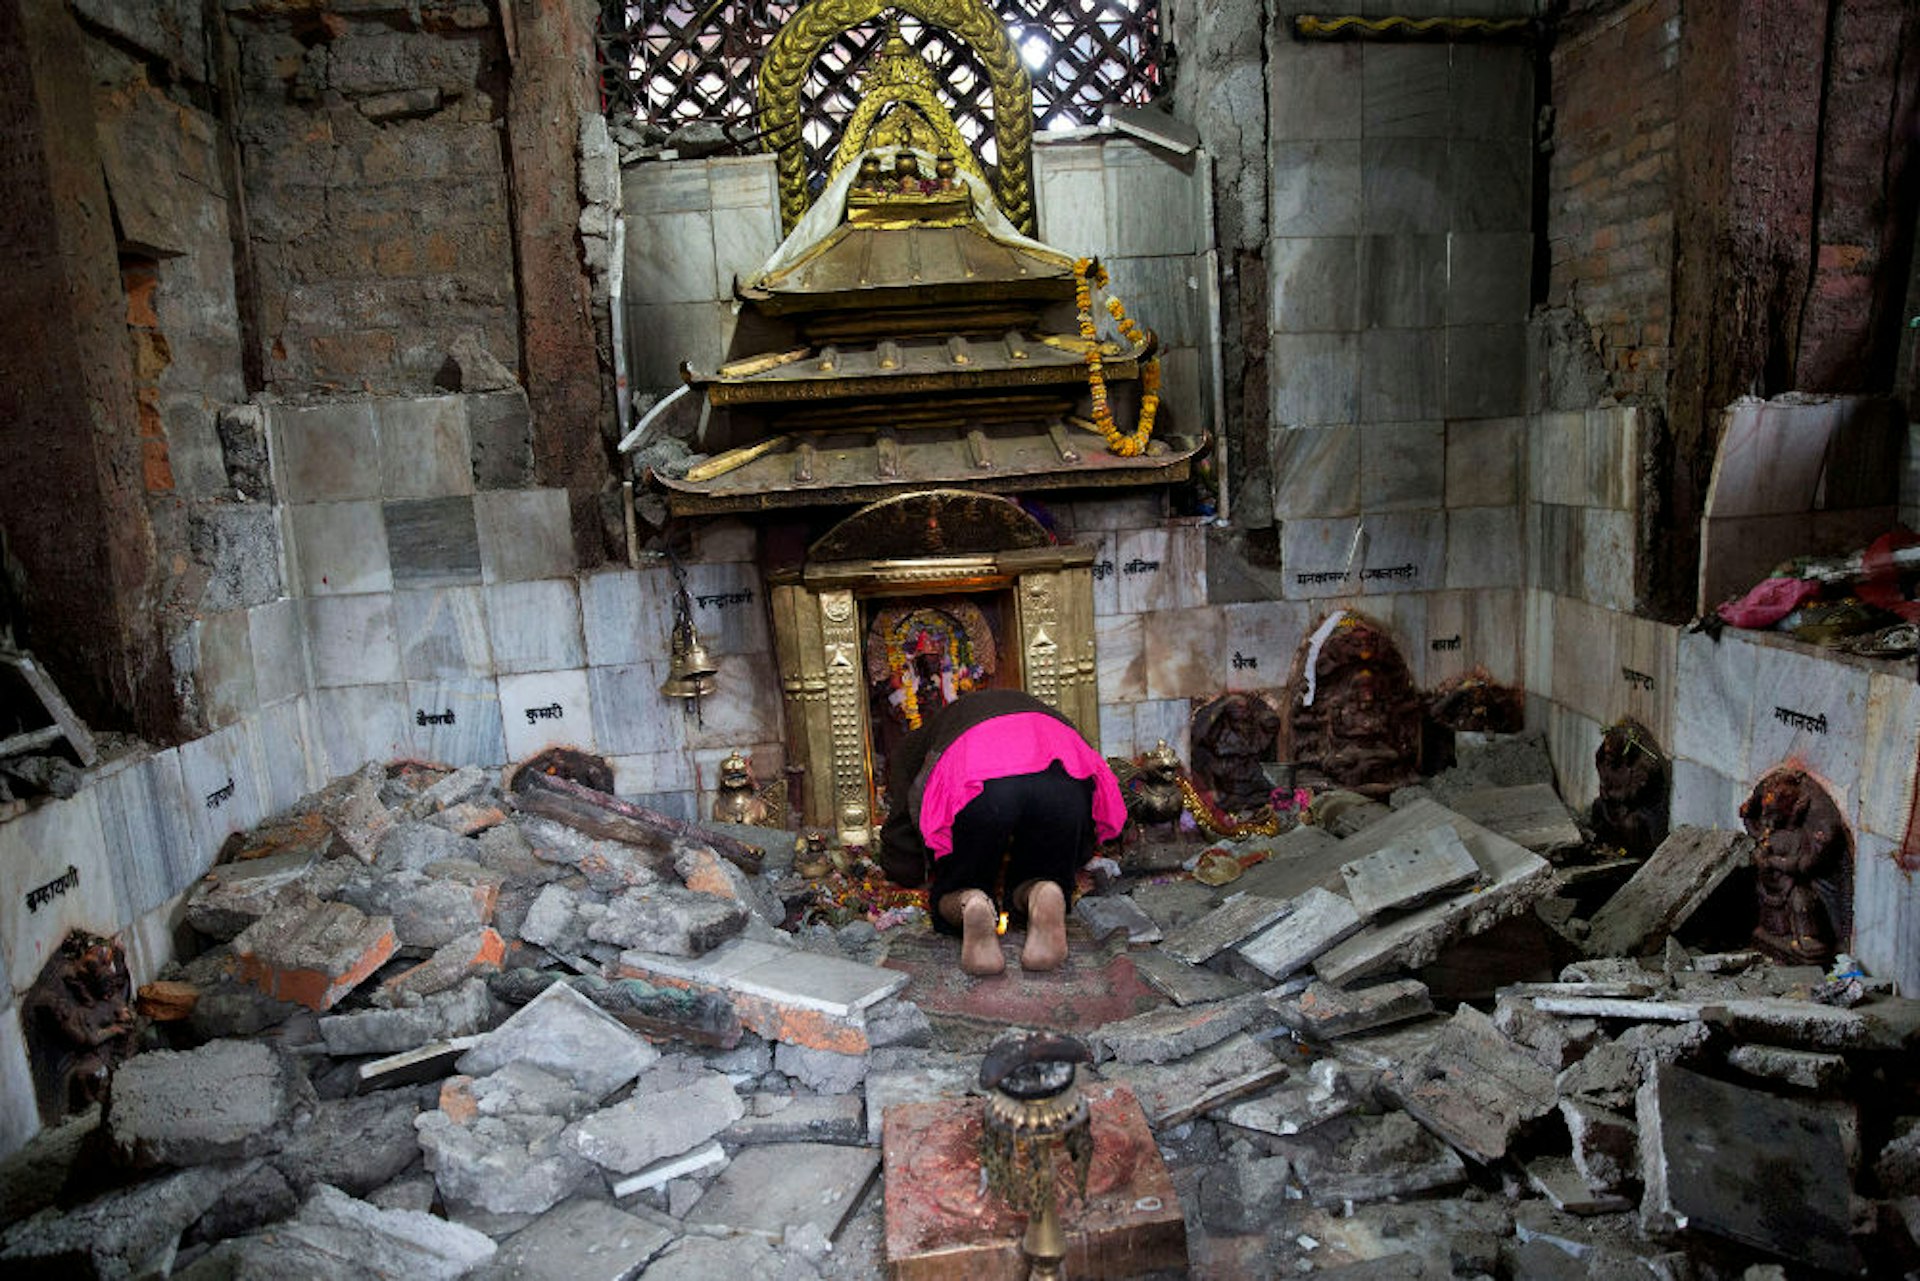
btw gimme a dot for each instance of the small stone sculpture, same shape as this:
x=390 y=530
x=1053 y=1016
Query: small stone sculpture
x=1801 y=862
x=1630 y=812
x=1231 y=736
x=1356 y=715
x=79 y=1024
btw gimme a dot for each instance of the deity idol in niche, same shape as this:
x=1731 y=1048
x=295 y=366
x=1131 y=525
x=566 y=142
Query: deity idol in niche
x=1800 y=849
x=1630 y=812
x=1354 y=711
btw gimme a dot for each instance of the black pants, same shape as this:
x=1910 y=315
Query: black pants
x=1037 y=827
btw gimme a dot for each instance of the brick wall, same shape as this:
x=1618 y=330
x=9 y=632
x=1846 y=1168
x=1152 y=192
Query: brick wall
x=1610 y=201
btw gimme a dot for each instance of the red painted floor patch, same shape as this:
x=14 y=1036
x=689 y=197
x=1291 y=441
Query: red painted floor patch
x=1092 y=989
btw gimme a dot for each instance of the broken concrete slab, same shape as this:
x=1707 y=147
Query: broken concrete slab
x=1175 y=1092
x=1555 y=1178
x=1606 y=1144
x=1474 y=1088
x=355 y=1145
x=473 y=953
x=1800 y=1069
x=566 y=1034
x=671 y=1111
x=1295 y=1107
x=1669 y=887
x=1412 y=870
x=409 y=847
x=799 y=1118
x=1105 y=914
x=469 y=818
x=822 y=1071
x=514 y=1089
x=916 y=1076
x=1511 y=878
x=1318 y=920
x=1323 y=1011
x=129 y=1232
x=1600 y=1007
x=702 y=1258
x=221 y=1101
x=1370 y=1158
x=767 y=1190
x=1246 y=1195
x=335 y=1234
x=1185 y=984
x=232 y=896
x=430 y=906
x=468 y=783
x=431 y=1062
x=313 y=953
x=668 y=920
x=1172 y=904
x=609 y=866
x=511 y=1164
x=357 y=813
x=1557 y=1043
x=1239 y=917
x=1174 y=1032
x=1898 y=1165
x=1300 y=860
x=702 y=1159
x=1744 y=1164
x=578 y=1240
x=441 y=1016
x=1807 y=1024
x=606 y=816
x=1532 y=815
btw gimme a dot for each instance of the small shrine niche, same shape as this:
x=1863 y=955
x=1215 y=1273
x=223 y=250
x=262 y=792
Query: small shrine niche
x=1803 y=868
x=923 y=653
x=78 y=1022
x=1630 y=813
x=1352 y=712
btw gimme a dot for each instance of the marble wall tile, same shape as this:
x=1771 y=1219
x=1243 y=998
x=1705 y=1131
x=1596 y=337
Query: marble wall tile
x=1121 y=673
x=630 y=714
x=1403 y=281
x=1260 y=641
x=149 y=940
x=1887 y=795
x=627 y=614
x=288 y=747
x=475 y=735
x=279 y=644
x=1116 y=730
x=500 y=432
x=744 y=708
x=1316 y=188
x=1186 y=392
x=1311 y=89
x=652 y=772
x=1404 y=91
x=1814 y=686
x=325 y=453
x=1572 y=740
x=1162 y=569
x=442 y=633
x=1316 y=471
x=1492 y=93
x=1106 y=570
x=1486 y=370
x=1403 y=551
x=351 y=639
x=1538 y=606
x=149 y=840
x=1607 y=542
x=1713 y=701
x=1402 y=375
x=661 y=335
x=1492 y=184
x=339 y=547
x=538 y=692
x=1404 y=185
x=524 y=534
x=670 y=258
x=1702 y=798
x=1613 y=458
x=1135 y=511
x=679 y=186
x=225 y=792
x=730 y=608
x=1489 y=277
x=356 y=724
x=1737 y=551
x=223 y=650
x=38 y=847
x=432 y=542
x=1886 y=914
x=1771 y=457
x=1322 y=557
x=1585 y=664
x=1183 y=649
x=1484 y=547
x=744 y=238
x=742 y=182
x=1070 y=192
x=1170 y=719
x=1489 y=625
x=1483 y=461
x=1163 y=294
x=1314 y=378
x=1402 y=466
x=1314 y=283
x=19 y=1109
x=1150 y=201
x=535 y=627
x=424 y=451
x=1554 y=442
x=1649 y=666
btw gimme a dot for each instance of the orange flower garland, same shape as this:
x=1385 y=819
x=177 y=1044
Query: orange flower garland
x=1088 y=276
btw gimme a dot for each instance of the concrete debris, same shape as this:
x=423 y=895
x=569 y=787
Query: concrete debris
x=311 y=952
x=1296 y=1107
x=221 y=1101
x=1532 y=815
x=768 y=1190
x=1605 y=1144
x=580 y=1240
x=799 y=1118
x=129 y=1232
x=567 y=1034
x=1669 y=887
x=668 y=920
x=1898 y=1165
x=511 y=1164
x=1800 y=1069
x=915 y=1076
x=1371 y=1158
x=1475 y=1088
x=459 y=1011
x=355 y=1145
x=660 y=1173
x=1323 y=1011
x=1409 y=871
x=1561 y=1183
x=1173 y=1093
x=1318 y=920
x=234 y=895
x=1105 y=914
x=822 y=1071
x=1241 y=916
x=476 y=952
x=671 y=1112
x=1176 y=1032
x=336 y=1235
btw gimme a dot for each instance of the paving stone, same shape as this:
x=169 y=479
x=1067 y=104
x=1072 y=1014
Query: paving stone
x=1319 y=920
x=1300 y=860
x=1237 y=918
x=1801 y=1069
x=513 y=1164
x=567 y=1034
x=766 y=1190
x=129 y=1232
x=822 y=1071
x=1474 y=1088
x=1800 y=1024
x=669 y=921
x=1105 y=914
x=233 y=896
x=355 y=1145
x=441 y=1016
x=1172 y=904
x=698 y=1161
x=1605 y=1144
x=800 y=1118
x=221 y=1101
x=313 y=953
x=671 y=1111
x=1175 y=1031
x=1324 y=1011
x=1511 y=879
x=578 y=1240
x=1763 y=1170
x=1669 y=887
x=1556 y=1178
x=801 y=998
x=1185 y=984
x=1175 y=1092
x=925 y=1076
x=1532 y=815
x=1408 y=872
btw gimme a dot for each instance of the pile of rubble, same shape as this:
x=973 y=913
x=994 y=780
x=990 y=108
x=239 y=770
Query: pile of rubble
x=442 y=1029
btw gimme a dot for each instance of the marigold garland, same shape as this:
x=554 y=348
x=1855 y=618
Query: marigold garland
x=1089 y=275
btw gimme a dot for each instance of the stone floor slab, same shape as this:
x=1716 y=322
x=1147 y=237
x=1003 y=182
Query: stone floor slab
x=579 y=1240
x=1237 y=918
x=1319 y=920
x=1409 y=872
x=767 y=1190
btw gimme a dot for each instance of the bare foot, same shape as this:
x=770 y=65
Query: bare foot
x=980 y=952
x=1046 y=946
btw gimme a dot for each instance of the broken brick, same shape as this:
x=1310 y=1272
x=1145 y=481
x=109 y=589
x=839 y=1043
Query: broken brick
x=313 y=953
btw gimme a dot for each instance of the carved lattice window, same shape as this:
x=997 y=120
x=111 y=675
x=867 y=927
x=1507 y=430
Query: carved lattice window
x=671 y=62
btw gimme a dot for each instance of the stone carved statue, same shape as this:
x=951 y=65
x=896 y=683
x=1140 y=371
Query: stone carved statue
x=1362 y=727
x=1630 y=812
x=1801 y=861
x=1231 y=736
x=78 y=1021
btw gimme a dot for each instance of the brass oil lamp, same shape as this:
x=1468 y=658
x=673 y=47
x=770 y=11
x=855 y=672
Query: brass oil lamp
x=1035 y=1113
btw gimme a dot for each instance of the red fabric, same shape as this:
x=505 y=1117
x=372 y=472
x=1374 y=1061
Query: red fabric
x=1769 y=602
x=1023 y=743
x=1881 y=587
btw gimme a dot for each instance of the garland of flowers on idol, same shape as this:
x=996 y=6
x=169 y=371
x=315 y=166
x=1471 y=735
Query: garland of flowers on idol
x=907 y=686
x=1088 y=276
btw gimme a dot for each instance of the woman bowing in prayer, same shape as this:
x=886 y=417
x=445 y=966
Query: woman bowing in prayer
x=998 y=789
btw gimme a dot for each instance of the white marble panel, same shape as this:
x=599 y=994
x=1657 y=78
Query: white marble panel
x=1714 y=701
x=1539 y=642
x=1122 y=660
x=729 y=608
x=1786 y=682
x=1169 y=719
x=1106 y=570
x=1316 y=186
x=1613 y=457
x=1484 y=547
x=1070 y=196
x=652 y=772
x=279 y=650
x=660 y=336
x=1886 y=915
x=1643 y=684
x=724 y=538
x=1322 y=558
x=1887 y=783
x=442 y=633
x=474 y=736
x=424 y=452
x=1313 y=89
x=339 y=548
x=1316 y=471
x=744 y=238
x=1585 y=664
x=1116 y=730
x=351 y=640
x=19 y=1110
x=1259 y=644
x=670 y=258
x=1163 y=295
x=1483 y=461
x=1135 y=511
x=360 y=723
x=535 y=627
x=1572 y=740
x=289 y=750
x=744 y=707
x=627 y=615
x=666 y=186
x=224 y=791
x=1314 y=379
x=524 y=534
x=631 y=716
x=1556 y=444
x=325 y=452
x=1150 y=201
x=148 y=939
x=223 y=665
x=1488 y=625
x=1162 y=569
x=1403 y=551
x=1402 y=466
x=736 y=182
x=1771 y=456
x=1702 y=798
x=36 y=849
x=149 y=840
x=539 y=693
x=1606 y=563
x=1183 y=649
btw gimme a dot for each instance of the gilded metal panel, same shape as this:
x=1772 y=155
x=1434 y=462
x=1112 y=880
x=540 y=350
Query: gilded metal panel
x=1037 y=604
x=1079 y=662
x=847 y=716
